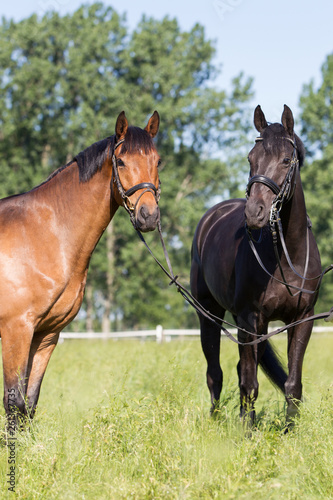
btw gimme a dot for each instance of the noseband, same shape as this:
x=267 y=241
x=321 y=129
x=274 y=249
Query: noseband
x=125 y=195
x=283 y=194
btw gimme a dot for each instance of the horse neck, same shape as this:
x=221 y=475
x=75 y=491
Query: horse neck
x=82 y=210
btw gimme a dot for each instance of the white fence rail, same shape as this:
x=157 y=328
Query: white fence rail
x=159 y=334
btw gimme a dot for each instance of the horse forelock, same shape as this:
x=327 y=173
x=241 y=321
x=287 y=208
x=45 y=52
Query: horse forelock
x=92 y=159
x=137 y=140
x=273 y=136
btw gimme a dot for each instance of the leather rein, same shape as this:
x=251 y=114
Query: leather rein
x=186 y=294
x=283 y=195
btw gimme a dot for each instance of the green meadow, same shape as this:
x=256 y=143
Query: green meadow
x=130 y=419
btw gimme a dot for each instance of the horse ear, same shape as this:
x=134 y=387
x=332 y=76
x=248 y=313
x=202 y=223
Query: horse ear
x=259 y=119
x=153 y=124
x=287 y=120
x=121 y=126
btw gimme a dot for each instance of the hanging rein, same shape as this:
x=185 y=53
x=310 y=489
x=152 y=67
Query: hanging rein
x=186 y=294
x=283 y=195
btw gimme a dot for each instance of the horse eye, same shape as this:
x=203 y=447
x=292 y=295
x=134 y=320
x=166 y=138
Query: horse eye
x=286 y=161
x=159 y=163
x=120 y=162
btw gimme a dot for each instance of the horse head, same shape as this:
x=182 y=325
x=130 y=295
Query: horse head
x=274 y=162
x=135 y=164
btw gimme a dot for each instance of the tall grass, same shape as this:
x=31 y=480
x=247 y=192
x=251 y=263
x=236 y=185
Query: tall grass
x=120 y=420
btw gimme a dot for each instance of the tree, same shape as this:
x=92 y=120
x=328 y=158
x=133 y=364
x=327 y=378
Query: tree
x=57 y=75
x=63 y=81
x=317 y=128
x=172 y=71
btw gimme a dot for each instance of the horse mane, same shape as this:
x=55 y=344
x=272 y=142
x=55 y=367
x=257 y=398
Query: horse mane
x=91 y=159
x=272 y=136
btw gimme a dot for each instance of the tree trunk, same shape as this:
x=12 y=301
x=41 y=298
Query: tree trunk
x=90 y=307
x=108 y=300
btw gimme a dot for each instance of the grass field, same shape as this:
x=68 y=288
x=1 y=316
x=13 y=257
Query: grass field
x=122 y=420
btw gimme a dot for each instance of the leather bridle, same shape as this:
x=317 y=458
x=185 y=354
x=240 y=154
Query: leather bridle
x=283 y=195
x=147 y=187
x=258 y=338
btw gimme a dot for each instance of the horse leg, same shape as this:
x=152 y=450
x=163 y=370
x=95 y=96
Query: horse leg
x=247 y=368
x=298 y=339
x=16 y=341
x=210 y=342
x=42 y=346
x=210 y=334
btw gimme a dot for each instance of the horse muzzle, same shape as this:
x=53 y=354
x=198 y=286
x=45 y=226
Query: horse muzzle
x=256 y=214
x=147 y=217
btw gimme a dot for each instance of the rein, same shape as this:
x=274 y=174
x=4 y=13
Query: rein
x=186 y=294
x=190 y=299
x=283 y=195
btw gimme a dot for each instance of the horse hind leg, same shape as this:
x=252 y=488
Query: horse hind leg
x=42 y=347
x=210 y=335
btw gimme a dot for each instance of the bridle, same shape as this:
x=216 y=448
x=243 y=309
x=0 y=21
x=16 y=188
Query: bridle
x=283 y=195
x=190 y=299
x=147 y=187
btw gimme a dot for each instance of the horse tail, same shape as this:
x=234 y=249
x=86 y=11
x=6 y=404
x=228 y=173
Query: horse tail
x=273 y=367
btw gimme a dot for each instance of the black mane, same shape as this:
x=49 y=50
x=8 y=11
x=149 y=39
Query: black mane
x=91 y=159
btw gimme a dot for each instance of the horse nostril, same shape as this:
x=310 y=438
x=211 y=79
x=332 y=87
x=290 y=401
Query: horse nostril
x=144 y=212
x=261 y=213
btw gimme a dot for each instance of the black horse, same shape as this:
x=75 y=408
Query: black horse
x=258 y=259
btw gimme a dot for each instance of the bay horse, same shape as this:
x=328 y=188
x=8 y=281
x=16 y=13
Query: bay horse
x=239 y=265
x=47 y=237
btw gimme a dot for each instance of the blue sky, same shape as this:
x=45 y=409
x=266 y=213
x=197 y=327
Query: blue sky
x=282 y=45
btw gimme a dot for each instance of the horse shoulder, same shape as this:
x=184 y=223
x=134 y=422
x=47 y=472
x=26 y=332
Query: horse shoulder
x=226 y=217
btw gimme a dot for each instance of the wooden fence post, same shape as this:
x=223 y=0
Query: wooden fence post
x=159 y=334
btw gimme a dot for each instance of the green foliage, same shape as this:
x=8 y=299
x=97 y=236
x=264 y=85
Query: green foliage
x=56 y=77
x=64 y=80
x=317 y=128
x=171 y=70
x=127 y=419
